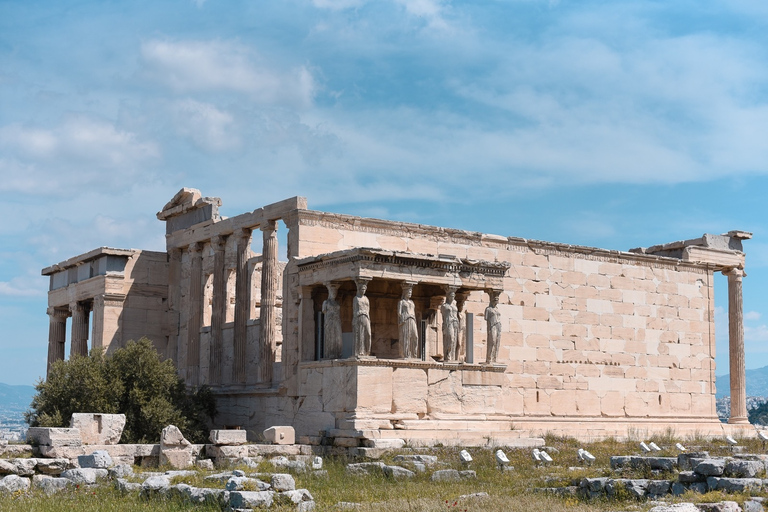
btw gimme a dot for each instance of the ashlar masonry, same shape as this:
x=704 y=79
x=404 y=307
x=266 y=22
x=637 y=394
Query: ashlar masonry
x=375 y=330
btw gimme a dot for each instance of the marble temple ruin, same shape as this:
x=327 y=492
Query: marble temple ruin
x=374 y=330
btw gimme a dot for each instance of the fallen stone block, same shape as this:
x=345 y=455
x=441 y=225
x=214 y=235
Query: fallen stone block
x=201 y=495
x=204 y=464
x=251 y=499
x=753 y=506
x=50 y=484
x=87 y=476
x=429 y=460
x=24 y=467
x=280 y=435
x=708 y=467
x=638 y=488
x=398 y=472
x=125 y=487
x=283 y=482
x=445 y=475
x=14 y=483
x=636 y=462
x=684 y=459
x=743 y=468
x=291 y=465
x=244 y=483
x=97 y=428
x=688 y=477
x=229 y=437
x=120 y=471
x=175 y=450
x=723 y=506
x=53 y=466
x=156 y=485
x=733 y=484
x=366 y=468
x=294 y=496
x=98 y=459
x=468 y=474
x=52 y=436
x=658 y=488
x=7 y=467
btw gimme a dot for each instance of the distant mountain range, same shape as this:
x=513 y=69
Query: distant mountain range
x=757 y=383
x=15 y=398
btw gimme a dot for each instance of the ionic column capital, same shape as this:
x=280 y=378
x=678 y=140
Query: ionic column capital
x=268 y=225
x=194 y=247
x=243 y=233
x=58 y=313
x=79 y=307
x=218 y=242
x=735 y=273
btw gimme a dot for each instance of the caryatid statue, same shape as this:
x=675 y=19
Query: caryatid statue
x=450 y=326
x=332 y=324
x=361 y=319
x=406 y=321
x=493 y=321
x=461 y=351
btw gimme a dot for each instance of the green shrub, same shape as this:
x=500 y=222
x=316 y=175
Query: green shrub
x=133 y=381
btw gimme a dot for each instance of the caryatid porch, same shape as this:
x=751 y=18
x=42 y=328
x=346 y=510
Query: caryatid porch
x=382 y=278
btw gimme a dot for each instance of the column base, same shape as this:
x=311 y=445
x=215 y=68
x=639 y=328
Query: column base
x=738 y=420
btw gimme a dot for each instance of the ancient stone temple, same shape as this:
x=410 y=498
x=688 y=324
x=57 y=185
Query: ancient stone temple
x=373 y=330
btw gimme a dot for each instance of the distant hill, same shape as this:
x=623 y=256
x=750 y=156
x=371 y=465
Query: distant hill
x=757 y=383
x=15 y=398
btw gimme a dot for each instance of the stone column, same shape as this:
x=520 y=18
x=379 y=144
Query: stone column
x=195 y=313
x=218 y=309
x=172 y=315
x=57 y=335
x=268 y=313
x=736 y=347
x=242 y=305
x=461 y=300
x=80 y=311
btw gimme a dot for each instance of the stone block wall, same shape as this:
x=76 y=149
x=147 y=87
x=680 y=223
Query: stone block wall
x=587 y=332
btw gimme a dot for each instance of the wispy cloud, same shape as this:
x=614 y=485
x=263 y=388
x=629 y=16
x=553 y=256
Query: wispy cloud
x=186 y=66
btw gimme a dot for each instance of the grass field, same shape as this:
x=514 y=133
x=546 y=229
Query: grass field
x=511 y=491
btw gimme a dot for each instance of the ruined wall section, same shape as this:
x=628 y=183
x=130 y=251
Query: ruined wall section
x=146 y=286
x=587 y=332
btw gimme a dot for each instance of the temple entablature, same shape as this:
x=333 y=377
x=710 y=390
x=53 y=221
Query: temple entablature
x=724 y=251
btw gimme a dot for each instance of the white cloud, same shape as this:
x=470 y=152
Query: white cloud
x=209 y=128
x=78 y=139
x=188 y=66
x=752 y=315
x=22 y=287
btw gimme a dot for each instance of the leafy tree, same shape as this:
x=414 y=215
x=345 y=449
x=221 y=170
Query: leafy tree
x=133 y=381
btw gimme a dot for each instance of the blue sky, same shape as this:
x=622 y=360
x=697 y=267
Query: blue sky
x=611 y=124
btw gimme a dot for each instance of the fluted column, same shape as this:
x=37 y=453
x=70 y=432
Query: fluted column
x=242 y=305
x=195 y=313
x=57 y=335
x=736 y=347
x=218 y=310
x=268 y=316
x=79 y=312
